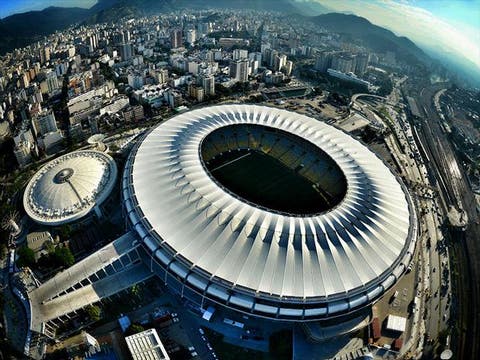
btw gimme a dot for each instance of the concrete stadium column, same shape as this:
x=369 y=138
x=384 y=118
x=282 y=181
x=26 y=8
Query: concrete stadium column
x=98 y=211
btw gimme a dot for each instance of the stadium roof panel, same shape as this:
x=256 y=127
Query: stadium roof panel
x=348 y=250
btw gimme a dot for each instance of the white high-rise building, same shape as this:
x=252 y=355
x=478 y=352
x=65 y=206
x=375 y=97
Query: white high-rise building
x=208 y=83
x=191 y=37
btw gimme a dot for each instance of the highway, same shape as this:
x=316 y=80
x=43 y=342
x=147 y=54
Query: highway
x=456 y=190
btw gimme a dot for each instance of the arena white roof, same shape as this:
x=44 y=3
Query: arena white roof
x=68 y=187
x=360 y=247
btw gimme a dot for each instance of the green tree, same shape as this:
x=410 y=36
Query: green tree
x=26 y=257
x=134 y=329
x=63 y=256
x=93 y=312
x=65 y=231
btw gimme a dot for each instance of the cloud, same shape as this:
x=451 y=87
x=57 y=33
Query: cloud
x=420 y=25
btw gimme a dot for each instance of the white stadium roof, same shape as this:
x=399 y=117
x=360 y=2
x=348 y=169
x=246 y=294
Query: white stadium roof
x=354 y=251
x=69 y=187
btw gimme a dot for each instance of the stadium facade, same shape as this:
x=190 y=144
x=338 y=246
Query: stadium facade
x=215 y=240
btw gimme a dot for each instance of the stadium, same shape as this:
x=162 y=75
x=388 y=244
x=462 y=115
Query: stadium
x=267 y=212
x=69 y=187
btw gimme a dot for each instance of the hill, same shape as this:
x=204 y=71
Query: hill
x=21 y=29
x=375 y=37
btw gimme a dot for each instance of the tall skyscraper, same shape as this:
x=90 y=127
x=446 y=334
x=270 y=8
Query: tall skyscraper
x=126 y=52
x=343 y=63
x=239 y=70
x=176 y=38
x=208 y=83
x=324 y=61
x=44 y=54
x=191 y=36
x=361 y=63
x=279 y=62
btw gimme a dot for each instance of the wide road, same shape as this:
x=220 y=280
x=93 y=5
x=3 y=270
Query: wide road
x=466 y=245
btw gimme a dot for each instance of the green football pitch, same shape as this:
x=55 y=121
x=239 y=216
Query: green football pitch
x=265 y=181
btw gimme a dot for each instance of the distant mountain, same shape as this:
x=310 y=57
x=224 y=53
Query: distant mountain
x=21 y=29
x=375 y=37
x=122 y=8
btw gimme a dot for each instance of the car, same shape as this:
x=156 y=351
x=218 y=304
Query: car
x=175 y=320
x=191 y=348
x=200 y=330
x=203 y=338
x=209 y=346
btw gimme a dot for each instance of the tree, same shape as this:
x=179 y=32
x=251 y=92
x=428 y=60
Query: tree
x=63 y=256
x=65 y=231
x=26 y=257
x=134 y=329
x=93 y=312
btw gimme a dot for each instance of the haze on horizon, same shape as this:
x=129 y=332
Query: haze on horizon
x=446 y=27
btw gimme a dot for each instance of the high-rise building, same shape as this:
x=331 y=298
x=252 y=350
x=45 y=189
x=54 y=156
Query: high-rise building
x=44 y=54
x=240 y=54
x=287 y=69
x=361 y=63
x=256 y=56
x=119 y=38
x=239 y=70
x=279 y=61
x=208 y=83
x=176 y=39
x=44 y=123
x=126 y=52
x=324 y=61
x=191 y=36
x=52 y=82
x=23 y=153
x=343 y=63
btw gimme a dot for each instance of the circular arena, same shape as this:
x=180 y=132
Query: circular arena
x=267 y=212
x=69 y=187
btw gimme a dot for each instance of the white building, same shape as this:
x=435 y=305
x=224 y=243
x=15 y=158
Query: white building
x=191 y=37
x=146 y=345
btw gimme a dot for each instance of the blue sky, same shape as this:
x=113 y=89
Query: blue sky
x=9 y=7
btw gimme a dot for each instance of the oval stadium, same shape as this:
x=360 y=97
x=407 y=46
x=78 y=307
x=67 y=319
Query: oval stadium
x=267 y=212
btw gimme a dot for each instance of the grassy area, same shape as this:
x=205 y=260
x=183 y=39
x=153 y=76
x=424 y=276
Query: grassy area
x=264 y=180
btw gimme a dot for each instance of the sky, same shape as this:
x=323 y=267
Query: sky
x=9 y=7
x=451 y=26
